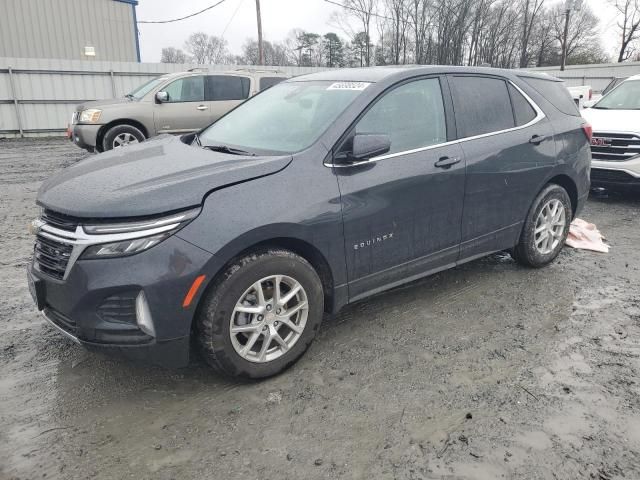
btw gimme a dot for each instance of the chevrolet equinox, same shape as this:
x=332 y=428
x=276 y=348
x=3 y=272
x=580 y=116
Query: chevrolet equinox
x=318 y=192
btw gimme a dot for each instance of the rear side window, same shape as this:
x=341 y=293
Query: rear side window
x=227 y=87
x=266 y=82
x=187 y=89
x=522 y=109
x=481 y=105
x=556 y=93
x=411 y=114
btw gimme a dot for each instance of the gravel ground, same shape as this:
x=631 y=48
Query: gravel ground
x=485 y=371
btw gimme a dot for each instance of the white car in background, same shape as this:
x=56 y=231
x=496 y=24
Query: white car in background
x=615 y=144
x=581 y=94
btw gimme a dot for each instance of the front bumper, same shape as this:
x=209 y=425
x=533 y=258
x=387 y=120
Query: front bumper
x=84 y=135
x=95 y=304
x=616 y=175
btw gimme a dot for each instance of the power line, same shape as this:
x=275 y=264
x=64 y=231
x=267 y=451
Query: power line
x=348 y=7
x=185 y=17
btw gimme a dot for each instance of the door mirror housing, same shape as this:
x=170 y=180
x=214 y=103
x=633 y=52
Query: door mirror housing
x=369 y=145
x=162 y=97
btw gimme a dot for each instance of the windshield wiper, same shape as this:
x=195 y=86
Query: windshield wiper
x=601 y=108
x=227 y=149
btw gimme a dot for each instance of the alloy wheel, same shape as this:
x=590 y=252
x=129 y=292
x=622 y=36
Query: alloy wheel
x=123 y=139
x=269 y=318
x=550 y=226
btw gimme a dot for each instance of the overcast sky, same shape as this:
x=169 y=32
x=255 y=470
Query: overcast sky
x=279 y=17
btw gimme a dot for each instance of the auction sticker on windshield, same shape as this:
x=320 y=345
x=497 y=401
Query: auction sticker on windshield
x=348 y=86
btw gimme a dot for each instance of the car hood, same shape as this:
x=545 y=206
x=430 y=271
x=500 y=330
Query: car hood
x=102 y=103
x=612 y=120
x=157 y=176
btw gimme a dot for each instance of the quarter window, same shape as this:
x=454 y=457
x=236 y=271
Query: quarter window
x=522 y=109
x=481 y=105
x=227 y=87
x=187 y=89
x=412 y=115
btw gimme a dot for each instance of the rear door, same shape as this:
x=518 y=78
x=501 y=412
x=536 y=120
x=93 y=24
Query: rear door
x=509 y=148
x=402 y=210
x=186 y=109
x=224 y=92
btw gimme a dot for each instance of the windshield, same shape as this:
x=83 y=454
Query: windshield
x=145 y=88
x=625 y=97
x=285 y=118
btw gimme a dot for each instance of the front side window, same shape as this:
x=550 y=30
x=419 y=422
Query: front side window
x=188 y=89
x=285 y=118
x=412 y=115
x=227 y=87
x=624 y=97
x=481 y=104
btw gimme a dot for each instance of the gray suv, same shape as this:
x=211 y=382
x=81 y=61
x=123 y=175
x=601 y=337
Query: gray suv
x=177 y=103
x=320 y=191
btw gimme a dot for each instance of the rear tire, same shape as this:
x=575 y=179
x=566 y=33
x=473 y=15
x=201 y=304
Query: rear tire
x=545 y=229
x=233 y=342
x=121 y=135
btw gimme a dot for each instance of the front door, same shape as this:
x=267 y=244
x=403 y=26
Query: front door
x=186 y=109
x=402 y=210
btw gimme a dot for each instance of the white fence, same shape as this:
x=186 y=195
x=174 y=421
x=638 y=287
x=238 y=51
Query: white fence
x=37 y=96
x=597 y=76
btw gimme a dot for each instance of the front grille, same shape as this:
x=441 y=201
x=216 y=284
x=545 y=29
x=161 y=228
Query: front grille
x=618 y=146
x=51 y=257
x=59 y=220
x=612 y=176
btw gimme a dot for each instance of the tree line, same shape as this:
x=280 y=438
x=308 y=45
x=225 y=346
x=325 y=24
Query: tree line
x=498 y=33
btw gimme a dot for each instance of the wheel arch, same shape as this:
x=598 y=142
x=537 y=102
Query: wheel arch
x=296 y=245
x=566 y=182
x=120 y=121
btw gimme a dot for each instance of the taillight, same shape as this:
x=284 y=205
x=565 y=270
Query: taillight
x=588 y=131
x=590 y=94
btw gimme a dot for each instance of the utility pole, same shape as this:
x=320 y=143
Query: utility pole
x=569 y=5
x=260 y=47
x=565 y=35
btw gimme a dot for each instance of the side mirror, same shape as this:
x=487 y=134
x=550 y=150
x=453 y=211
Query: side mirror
x=368 y=145
x=162 y=97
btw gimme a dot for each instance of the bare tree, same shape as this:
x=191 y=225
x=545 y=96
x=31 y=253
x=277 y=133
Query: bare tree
x=206 y=48
x=173 y=55
x=629 y=24
x=530 y=10
x=362 y=10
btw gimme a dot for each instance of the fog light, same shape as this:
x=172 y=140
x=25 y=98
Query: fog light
x=143 y=315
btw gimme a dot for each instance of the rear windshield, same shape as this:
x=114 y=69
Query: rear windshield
x=556 y=93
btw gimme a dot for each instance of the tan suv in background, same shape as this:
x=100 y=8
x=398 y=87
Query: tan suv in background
x=176 y=103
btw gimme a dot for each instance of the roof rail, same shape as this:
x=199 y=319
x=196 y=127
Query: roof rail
x=198 y=69
x=275 y=70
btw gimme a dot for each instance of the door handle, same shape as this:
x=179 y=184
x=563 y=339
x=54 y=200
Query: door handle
x=538 y=139
x=447 y=162
x=201 y=107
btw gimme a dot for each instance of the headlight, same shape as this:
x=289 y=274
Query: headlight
x=124 y=248
x=92 y=115
x=108 y=240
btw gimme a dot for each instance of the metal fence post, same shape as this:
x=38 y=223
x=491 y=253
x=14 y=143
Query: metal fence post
x=15 y=102
x=113 y=84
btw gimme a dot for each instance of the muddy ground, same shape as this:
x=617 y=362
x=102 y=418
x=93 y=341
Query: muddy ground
x=486 y=371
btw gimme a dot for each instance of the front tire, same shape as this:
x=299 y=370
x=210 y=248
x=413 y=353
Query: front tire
x=261 y=315
x=545 y=229
x=120 y=136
